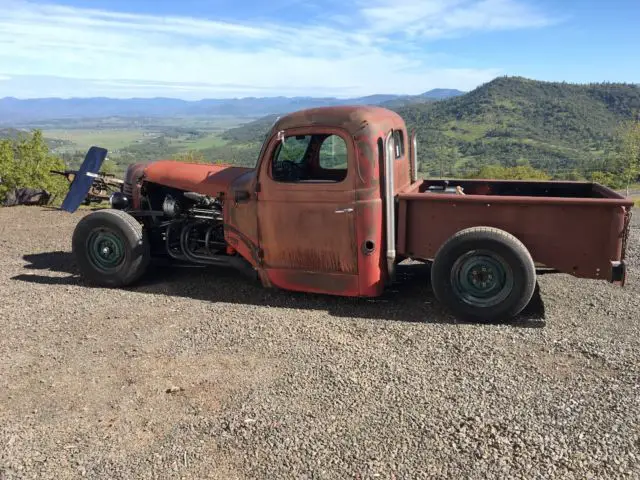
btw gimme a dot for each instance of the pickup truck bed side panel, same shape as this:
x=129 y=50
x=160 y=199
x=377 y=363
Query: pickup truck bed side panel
x=580 y=237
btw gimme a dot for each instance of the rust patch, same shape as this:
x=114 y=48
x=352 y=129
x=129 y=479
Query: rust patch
x=302 y=281
x=251 y=248
x=367 y=194
x=351 y=118
x=318 y=261
x=366 y=161
x=370 y=218
x=211 y=180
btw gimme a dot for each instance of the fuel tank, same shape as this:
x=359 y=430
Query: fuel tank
x=212 y=180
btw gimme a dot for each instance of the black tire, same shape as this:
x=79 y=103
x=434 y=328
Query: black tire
x=496 y=293
x=123 y=246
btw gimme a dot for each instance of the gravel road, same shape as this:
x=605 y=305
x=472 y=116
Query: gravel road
x=197 y=373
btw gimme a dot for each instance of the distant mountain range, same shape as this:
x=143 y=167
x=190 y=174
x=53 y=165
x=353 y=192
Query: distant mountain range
x=15 y=111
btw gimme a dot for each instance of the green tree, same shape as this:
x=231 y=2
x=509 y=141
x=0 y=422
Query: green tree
x=609 y=179
x=110 y=167
x=572 y=175
x=630 y=152
x=522 y=172
x=446 y=158
x=25 y=162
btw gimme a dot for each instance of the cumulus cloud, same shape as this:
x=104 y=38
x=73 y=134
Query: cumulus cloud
x=378 y=47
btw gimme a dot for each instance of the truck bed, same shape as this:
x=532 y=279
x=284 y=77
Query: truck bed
x=522 y=188
x=579 y=228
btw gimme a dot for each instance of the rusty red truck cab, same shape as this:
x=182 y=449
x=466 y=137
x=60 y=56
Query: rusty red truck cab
x=314 y=209
x=334 y=203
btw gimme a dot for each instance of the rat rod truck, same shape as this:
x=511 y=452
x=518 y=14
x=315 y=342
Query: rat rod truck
x=334 y=203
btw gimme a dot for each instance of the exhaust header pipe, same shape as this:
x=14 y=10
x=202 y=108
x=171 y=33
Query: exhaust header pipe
x=390 y=212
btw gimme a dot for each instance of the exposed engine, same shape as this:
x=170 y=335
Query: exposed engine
x=192 y=227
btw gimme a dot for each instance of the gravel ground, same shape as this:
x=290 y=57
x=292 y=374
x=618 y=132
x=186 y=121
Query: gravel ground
x=197 y=373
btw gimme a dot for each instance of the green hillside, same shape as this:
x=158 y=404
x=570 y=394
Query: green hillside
x=566 y=129
x=251 y=132
x=562 y=128
x=16 y=134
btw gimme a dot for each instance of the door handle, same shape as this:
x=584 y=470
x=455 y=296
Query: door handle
x=344 y=210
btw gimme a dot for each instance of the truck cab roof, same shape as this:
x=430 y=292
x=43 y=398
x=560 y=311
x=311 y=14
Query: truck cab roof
x=353 y=118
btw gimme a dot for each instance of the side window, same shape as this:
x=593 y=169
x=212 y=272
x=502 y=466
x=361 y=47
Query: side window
x=398 y=141
x=317 y=158
x=293 y=149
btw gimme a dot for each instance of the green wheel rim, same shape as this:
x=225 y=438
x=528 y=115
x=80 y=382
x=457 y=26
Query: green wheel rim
x=482 y=278
x=106 y=250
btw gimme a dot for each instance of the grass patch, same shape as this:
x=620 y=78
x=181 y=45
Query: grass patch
x=85 y=138
x=466 y=131
x=506 y=104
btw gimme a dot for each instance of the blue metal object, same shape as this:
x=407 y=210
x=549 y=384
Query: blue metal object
x=84 y=178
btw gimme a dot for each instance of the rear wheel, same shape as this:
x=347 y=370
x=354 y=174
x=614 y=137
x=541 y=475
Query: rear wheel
x=483 y=274
x=110 y=248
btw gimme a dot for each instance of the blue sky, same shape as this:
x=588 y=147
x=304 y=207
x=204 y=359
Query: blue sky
x=235 y=48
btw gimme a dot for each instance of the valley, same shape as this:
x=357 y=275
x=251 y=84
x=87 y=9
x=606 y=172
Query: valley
x=141 y=138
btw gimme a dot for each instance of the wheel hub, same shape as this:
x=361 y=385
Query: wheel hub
x=106 y=250
x=482 y=278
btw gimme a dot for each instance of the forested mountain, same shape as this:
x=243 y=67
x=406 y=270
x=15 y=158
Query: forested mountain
x=566 y=129
x=427 y=97
x=558 y=127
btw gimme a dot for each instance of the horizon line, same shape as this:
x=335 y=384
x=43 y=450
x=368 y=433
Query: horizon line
x=311 y=96
x=248 y=97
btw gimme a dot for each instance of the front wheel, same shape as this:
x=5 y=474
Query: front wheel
x=483 y=274
x=110 y=248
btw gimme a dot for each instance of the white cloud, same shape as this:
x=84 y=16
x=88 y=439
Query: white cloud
x=447 y=18
x=374 y=50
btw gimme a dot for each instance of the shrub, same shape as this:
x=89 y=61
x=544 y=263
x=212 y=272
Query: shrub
x=26 y=162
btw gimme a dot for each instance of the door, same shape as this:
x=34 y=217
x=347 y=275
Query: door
x=306 y=211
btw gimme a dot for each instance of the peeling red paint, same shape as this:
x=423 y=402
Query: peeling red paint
x=203 y=178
